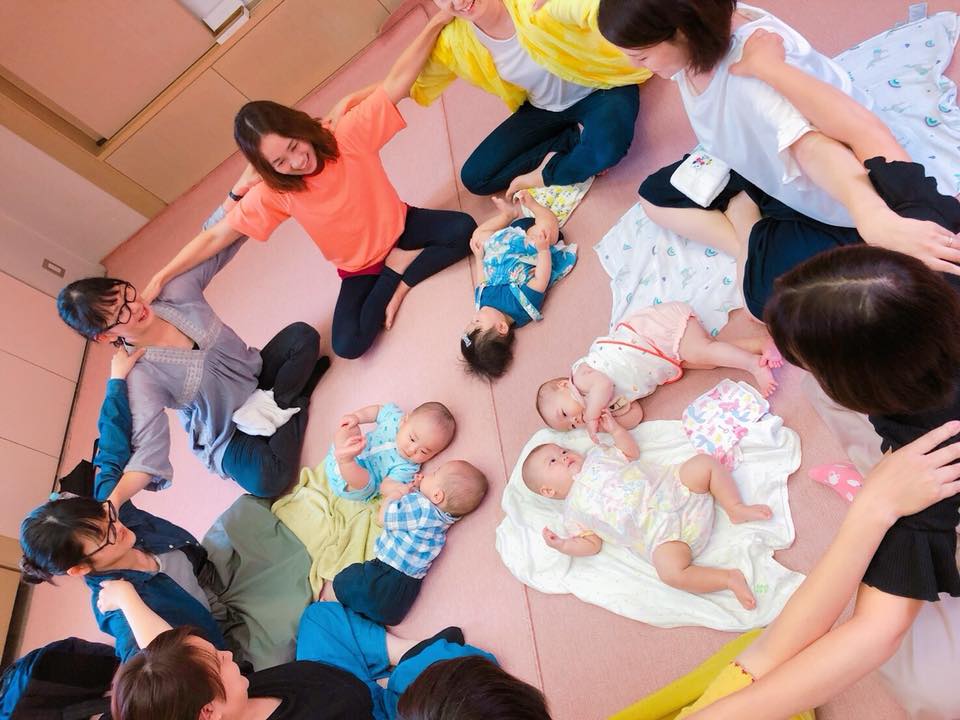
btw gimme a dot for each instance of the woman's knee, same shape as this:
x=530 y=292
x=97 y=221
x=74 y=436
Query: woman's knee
x=475 y=176
x=350 y=347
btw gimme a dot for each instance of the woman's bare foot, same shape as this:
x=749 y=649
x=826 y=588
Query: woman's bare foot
x=741 y=513
x=765 y=379
x=737 y=584
x=399 y=260
x=391 y=312
x=770 y=356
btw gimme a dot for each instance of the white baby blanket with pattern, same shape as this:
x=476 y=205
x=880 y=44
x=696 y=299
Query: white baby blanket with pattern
x=621 y=582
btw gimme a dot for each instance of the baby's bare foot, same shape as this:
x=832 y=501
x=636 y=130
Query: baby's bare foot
x=737 y=584
x=741 y=513
x=771 y=357
x=765 y=380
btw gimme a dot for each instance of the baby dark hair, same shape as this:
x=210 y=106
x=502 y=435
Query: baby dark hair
x=705 y=25
x=466 y=487
x=878 y=329
x=51 y=536
x=470 y=688
x=488 y=353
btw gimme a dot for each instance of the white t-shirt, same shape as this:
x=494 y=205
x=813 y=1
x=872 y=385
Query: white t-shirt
x=544 y=89
x=751 y=127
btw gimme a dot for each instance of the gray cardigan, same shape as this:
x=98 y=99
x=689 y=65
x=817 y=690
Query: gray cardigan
x=205 y=386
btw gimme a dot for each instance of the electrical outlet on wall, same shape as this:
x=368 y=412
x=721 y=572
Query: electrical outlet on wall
x=51 y=267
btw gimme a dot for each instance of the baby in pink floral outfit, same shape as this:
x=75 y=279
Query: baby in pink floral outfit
x=663 y=513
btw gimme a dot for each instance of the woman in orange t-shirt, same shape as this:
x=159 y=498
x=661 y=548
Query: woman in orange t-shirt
x=329 y=177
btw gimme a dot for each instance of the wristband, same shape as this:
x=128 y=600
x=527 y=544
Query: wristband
x=233 y=196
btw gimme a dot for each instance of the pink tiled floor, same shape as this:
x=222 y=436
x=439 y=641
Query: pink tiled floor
x=588 y=662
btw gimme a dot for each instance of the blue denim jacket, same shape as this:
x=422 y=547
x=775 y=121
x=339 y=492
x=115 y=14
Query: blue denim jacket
x=154 y=535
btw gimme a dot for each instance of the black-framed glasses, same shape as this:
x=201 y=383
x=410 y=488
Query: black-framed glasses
x=124 y=313
x=111 y=536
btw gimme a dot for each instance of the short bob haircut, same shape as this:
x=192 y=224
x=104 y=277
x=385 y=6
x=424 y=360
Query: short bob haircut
x=263 y=117
x=704 y=24
x=470 y=688
x=169 y=679
x=85 y=305
x=51 y=537
x=877 y=329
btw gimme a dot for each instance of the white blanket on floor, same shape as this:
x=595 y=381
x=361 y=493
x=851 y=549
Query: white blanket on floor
x=648 y=265
x=621 y=582
x=902 y=70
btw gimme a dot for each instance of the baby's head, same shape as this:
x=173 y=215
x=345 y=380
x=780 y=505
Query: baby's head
x=549 y=470
x=487 y=343
x=558 y=406
x=456 y=487
x=425 y=432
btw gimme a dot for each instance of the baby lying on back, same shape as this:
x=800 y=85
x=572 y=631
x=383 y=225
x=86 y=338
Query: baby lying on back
x=664 y=514
x=648 y=349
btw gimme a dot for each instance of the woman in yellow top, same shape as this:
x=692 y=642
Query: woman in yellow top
x=574 y=95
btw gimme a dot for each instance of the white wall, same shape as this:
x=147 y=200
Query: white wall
x=48 y=210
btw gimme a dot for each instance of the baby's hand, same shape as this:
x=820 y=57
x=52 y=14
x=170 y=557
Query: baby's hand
x=540 y=237
x=349 y=421
x=553 y=540
x=593 y=426
x=762 y=50
x=608 y=423
x=347 y=446
x=477 y=243
x=394 y=489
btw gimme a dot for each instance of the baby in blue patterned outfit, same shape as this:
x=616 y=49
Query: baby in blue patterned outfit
x=388 y=457
x=517 y=259
x=415 y=521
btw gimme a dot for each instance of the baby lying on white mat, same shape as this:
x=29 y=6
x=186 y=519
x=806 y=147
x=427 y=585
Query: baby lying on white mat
x=663 y=513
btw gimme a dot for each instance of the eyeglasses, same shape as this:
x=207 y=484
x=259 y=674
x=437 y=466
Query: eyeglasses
x=111 y=536
x=124 y=313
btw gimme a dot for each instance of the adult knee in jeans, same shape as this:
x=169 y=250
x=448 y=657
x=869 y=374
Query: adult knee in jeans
x=303 y=335
x=475 y=176
x=350 y=347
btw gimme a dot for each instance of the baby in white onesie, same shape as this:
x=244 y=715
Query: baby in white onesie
x=648 y=349
x=664 y=514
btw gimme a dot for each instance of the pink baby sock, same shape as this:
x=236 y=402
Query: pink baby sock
x=843 y=478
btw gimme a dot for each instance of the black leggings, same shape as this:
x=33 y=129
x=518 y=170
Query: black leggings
x=443 y=235
x=266 y=466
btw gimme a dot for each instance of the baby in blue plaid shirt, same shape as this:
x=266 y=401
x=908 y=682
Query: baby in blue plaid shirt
x=415 y=520
x=386 y=459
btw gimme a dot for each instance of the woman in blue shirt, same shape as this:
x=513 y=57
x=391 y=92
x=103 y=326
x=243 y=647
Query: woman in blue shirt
x=93 y=539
